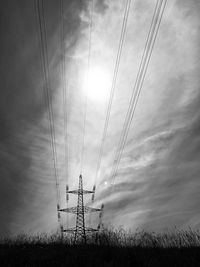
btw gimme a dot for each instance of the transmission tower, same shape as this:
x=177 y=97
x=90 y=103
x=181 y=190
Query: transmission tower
x=80 y=231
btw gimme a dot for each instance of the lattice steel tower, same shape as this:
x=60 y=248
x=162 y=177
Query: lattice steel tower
x=80 y=230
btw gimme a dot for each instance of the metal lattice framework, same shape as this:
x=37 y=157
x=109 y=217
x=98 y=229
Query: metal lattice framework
x=80 y=230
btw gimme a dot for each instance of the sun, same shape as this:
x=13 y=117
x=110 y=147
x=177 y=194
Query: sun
x=97 y=84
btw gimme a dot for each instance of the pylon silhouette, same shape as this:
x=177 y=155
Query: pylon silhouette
x=80 y=230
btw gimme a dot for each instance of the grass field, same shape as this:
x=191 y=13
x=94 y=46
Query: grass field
x=110 y=248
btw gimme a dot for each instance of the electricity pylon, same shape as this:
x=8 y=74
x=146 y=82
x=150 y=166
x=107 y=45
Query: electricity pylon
x=80 y=230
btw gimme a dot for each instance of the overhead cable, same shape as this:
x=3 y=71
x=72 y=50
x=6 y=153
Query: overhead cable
x=40 y=18
x=65 y=102
x=64 y=88
x=113 y=86
x=86 y=81
x=152 y=34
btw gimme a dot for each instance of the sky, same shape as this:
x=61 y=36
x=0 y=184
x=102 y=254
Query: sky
x=157 y=184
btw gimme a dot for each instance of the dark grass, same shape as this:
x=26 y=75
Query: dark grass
x=111 y=248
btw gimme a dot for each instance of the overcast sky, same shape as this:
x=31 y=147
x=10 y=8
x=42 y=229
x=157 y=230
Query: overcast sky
x=157 y=185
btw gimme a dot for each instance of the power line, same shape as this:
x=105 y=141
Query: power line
x=139 y=82
x=86 y=80
x=64 y=89
x=153 y=31
x=40 y=18
x=113 y=86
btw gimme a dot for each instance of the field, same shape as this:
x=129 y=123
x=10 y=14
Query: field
x=109 y=248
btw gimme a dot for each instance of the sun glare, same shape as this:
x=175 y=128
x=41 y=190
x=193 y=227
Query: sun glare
x=97 y=84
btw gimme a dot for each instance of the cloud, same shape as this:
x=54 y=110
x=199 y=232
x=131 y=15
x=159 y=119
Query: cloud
x=158 y=172
x=157 y=182
x=27 y=170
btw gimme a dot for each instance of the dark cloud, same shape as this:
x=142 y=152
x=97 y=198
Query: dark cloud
x=157 y=182
x=100 y=6
x=160 y=162
x=22 y=105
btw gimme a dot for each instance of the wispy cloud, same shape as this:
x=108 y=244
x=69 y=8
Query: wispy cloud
x=157 y=182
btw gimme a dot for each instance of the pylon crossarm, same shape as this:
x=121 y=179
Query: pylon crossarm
x=76 y=192
x=69 y=210
x=74 y=210
x=70 y=230
x=89 y=209
x=91 y=230
x=88 y=192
